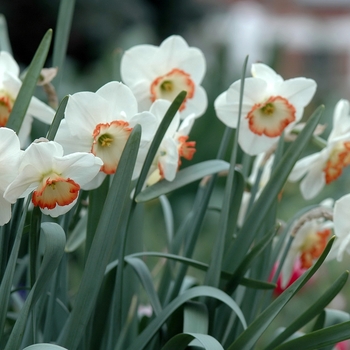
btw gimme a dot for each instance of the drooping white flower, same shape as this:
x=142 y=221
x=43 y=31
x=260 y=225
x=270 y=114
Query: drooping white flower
x=101 y=123
x=55 y=179
x=163 y=72
x=322 y=168
x=10 y=85
x=270 y=106
x=173 y=147
x=10 y=156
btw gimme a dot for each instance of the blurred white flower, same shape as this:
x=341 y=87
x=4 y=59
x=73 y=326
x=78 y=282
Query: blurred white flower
x=10 y=156
x=10 y=85
x=270 y=106
x=54 y=178
x=162 y=72
x=323 y=167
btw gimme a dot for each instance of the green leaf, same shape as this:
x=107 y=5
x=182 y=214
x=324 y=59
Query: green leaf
x=78 y=235
x=249 y=337
x=55 y=240
x=183 y=177
x=195 y=318
x=63 y=26
x=181 y=341
x=7 y=280
x=158 y=137
x=312 y=311
x=212 y=277
x=44 y=346
x=146 y=279
x=27 y=89
x=319 y=339
x=103 y=244
x=270 y=192
x=57 y=119
x=202 y=291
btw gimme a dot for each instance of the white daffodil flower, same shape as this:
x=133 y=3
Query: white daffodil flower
x=321 y=168
x=270 y=106
x=10 y=85
x=101 y=123
x=55 y=179
x=162 y=72
x=173 y=147
x=10 y=156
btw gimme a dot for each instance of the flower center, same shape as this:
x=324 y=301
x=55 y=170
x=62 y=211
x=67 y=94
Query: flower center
x=109 y=140
x=168 y=86
x=271 y=117
x=313 y=246
x=6 y=104
x=338 y=159
x=55 y=190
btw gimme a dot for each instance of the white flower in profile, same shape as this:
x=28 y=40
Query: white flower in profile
x=10 y=156
x=322 y=168
x=55 y=179
x=341 y=219
x=162 y=72
x=101 y=123
x=173 y=147
x=270 y=106
x=10 y=85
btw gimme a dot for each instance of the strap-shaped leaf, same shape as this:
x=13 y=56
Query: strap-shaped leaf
x=319 y=339
x=57 y=119
x=181 y=341
x=55 y=240
x=7 y=281
x=202 y=291
x=103 y=244
x=249 y=337
x=196 y=318
x=311 y=312
x=183 y=177
x=27 y=89
x=62 y=32
x=146 y=279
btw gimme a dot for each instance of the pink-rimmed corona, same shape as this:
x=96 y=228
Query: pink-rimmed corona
x=270 y=106
x=163 y=72
x=53 y=179
x=101 y=123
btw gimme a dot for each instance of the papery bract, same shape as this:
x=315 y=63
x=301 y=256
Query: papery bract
x=101 y=123
x=10 y=85
x=10 y=156
x=321 y=168
x=270 y=106
x=163 y=72
x=54 y=178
